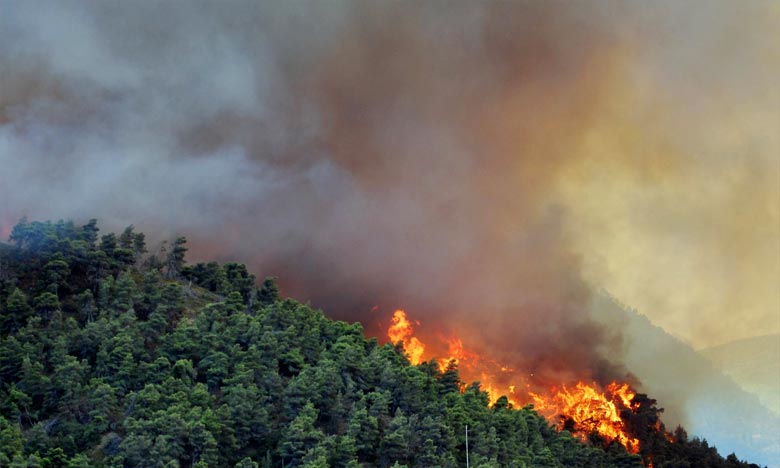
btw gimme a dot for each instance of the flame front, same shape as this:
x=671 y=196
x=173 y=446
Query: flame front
x=582 y=408
x=587 y=410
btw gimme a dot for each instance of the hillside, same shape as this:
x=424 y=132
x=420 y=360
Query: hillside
x=693 y=392
x=113 y=358
x=754 y=363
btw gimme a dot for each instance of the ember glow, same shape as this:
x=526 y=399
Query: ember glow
x=583 y=408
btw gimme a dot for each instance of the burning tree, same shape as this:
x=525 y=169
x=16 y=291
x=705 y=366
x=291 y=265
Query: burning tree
x=600 y=415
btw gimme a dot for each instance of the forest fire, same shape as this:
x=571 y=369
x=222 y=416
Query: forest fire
x=401 y=330
x=581 y=408
x=586 y=410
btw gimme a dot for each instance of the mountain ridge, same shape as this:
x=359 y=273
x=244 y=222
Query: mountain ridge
x=695 y=393
x=754 y=363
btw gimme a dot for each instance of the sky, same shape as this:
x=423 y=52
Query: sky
x=489 y=166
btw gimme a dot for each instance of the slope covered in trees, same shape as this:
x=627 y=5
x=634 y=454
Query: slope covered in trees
x=110 y=357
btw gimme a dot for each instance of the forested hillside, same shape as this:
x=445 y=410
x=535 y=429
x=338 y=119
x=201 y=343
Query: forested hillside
x=112 y=357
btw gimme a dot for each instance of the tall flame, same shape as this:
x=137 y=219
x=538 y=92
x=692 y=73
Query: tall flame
x=401 y=331
x=582 y=408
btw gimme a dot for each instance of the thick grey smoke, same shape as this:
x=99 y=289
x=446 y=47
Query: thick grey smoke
x=401 y=155
x=484 y=165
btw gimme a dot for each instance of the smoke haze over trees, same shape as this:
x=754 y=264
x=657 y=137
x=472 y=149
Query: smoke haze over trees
x=109 y=361
x=529 y=149
x=486 y=165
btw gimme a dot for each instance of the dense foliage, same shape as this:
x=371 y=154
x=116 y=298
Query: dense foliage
x=112 y=357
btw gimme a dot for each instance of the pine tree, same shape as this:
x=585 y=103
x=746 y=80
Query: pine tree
x=17 y=310
x=174 y=261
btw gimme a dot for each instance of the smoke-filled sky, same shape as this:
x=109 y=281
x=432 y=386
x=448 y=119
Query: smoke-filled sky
x=486 y=165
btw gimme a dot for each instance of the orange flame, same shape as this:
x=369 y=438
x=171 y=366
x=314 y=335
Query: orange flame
x=623 y=392
x=583 y=408
x=401 y=331
x=589 y=410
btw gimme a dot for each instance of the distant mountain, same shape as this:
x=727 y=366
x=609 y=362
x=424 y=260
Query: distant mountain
x=754 y=363
x=696 y=394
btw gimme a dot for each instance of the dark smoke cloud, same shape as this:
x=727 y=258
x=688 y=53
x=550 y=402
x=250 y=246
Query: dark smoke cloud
x=484 y=165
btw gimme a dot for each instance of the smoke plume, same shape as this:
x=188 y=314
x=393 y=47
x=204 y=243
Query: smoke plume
x=485 y=165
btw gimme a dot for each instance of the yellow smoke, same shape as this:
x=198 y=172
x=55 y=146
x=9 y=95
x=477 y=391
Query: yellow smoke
x=675 y=206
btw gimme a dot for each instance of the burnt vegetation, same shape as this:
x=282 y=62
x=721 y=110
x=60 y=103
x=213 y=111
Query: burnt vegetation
x=114 y=357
